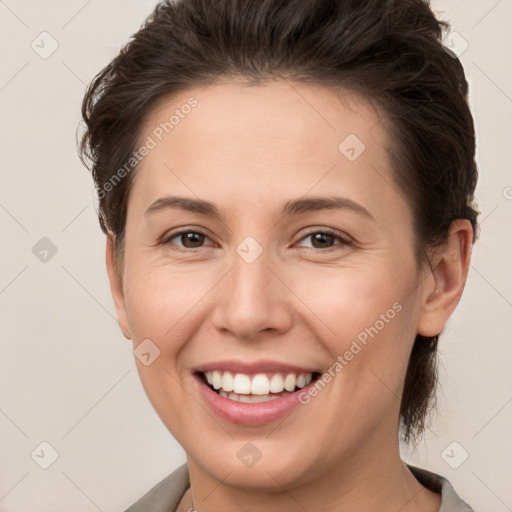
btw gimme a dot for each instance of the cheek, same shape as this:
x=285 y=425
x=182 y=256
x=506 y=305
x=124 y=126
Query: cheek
x=163 y=303
x=365 y=317
x=161 y=300
x=348 y=299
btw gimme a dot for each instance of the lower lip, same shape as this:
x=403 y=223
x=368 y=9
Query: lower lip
x=241 y=413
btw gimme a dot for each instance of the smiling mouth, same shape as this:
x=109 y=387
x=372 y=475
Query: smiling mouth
x=256 y=388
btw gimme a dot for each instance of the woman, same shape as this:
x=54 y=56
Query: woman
x=287 y=194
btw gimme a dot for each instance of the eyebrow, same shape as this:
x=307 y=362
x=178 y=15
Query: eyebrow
x=294 y=207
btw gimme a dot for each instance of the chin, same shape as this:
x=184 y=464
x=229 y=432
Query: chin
x=260 y=465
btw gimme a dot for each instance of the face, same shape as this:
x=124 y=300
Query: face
x=294 y=290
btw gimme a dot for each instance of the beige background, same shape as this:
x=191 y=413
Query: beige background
x=67 y=375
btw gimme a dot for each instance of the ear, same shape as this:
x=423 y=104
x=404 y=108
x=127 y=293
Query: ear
x=116 y=288
x=446 y=280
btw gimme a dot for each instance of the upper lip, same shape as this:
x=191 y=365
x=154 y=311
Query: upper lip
x=253 y=367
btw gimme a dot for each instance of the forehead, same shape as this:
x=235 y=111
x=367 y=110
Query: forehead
x=263 y=140
x=274 y=112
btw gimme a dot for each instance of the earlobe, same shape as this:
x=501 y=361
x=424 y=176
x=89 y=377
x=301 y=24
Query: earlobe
x=448 y=274
x=116 y=288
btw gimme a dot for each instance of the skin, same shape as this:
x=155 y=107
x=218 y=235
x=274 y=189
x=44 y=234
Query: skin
x=249 y=150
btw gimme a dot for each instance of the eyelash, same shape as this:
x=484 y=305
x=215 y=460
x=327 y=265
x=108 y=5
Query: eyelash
x=344 y=241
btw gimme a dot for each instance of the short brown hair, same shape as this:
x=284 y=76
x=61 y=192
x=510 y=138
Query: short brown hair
x=389 y=50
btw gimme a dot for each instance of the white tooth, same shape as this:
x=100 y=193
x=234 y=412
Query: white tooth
x=256 y=399
x=217 y=379
x=289 y=382
x=227 y=381
x=309 y=378
x=301 y=380
x=242 y=384
x=252 y=399
x=260 y=384
x=209 y=378
x=223 y=393
x=276 y=383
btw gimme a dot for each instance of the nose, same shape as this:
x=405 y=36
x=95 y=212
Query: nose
x=252 y=300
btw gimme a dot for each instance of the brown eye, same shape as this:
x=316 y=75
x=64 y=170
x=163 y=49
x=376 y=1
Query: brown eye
x=325 y=239
x=321 y=240
x=187 y=239
x=192 y=239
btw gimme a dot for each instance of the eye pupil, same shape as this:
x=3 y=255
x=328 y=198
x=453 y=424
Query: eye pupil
x=321 y=237
x=192 y=237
